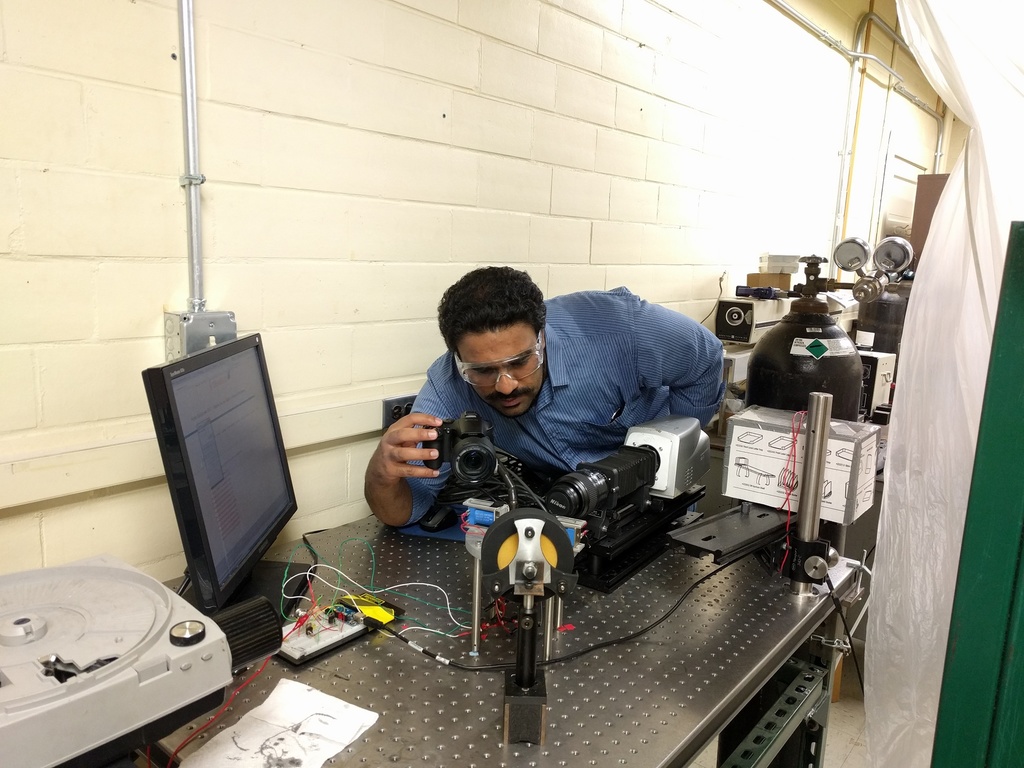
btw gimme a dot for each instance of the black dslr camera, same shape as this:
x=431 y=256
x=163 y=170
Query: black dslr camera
x=465 y=442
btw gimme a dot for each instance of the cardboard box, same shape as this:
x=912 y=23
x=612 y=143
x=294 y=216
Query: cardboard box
x=779 y=280
x=758 y=466
x=777 y=262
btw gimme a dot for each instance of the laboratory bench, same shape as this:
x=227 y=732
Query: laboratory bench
x=657 y=700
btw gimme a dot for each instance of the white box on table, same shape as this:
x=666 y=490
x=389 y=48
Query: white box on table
x=757 y=465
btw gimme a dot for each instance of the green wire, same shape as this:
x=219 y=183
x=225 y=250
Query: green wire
x=287 y=571
x=373 y=558
x=426 y=602
x=370 y=586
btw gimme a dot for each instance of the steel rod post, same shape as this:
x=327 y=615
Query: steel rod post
x=819 y=413
x=478 y=578
x=550 y=612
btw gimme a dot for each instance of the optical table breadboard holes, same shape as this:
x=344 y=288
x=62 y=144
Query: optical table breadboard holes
x=657 y=700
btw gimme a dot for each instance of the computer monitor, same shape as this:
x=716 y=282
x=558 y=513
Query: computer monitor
x=220 y=440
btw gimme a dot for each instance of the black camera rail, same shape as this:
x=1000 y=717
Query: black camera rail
x=605 y=564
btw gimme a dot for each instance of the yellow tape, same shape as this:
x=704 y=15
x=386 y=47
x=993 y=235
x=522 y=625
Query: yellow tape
x=370 y=606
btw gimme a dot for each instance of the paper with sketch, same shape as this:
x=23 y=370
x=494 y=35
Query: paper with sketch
x=297 y=726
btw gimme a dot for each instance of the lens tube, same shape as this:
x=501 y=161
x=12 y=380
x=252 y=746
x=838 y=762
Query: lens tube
x=577 y=494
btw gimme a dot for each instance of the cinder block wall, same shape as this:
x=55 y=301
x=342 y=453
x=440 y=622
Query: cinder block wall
x=360 y=155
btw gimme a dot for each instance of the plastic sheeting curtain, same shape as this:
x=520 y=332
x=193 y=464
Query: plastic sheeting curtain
x=969 y=53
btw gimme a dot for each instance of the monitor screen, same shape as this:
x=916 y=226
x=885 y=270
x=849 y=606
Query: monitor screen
x=220 y=440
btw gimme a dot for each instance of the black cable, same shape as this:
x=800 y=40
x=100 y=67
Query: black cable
x=849 y=635
x=374 y=624
x=494 y=488
x=523 y=485
x=643 y=630
x=309 y=546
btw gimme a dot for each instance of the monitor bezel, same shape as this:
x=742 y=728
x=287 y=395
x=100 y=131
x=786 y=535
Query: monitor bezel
x=211 y=591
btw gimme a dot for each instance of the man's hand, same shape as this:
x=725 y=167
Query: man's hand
x=385 y=488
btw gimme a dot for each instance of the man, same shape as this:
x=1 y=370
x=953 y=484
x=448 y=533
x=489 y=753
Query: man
x=561 y=381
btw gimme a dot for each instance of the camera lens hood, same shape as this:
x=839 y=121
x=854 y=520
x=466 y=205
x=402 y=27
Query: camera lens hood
x=473 y=460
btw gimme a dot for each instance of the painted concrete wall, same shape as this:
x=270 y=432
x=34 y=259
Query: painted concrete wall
x=361 y=155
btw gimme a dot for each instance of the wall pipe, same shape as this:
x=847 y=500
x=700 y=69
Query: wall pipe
x=828 y=39
x=192 y=178
x=893 y=35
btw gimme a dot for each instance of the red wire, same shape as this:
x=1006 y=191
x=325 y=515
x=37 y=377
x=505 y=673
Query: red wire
x=795 y=425
x=212 y=720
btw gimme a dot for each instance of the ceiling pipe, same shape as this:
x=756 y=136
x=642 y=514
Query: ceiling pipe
x=893 y=35
x=828 y=39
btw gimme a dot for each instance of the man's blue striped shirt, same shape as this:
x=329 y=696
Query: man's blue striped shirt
x=612 y=361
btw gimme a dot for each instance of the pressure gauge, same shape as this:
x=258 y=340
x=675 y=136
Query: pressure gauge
x=893 y=254
x=851 y=254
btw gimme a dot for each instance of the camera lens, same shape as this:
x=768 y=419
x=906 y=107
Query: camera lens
x=473 y=460
x=577 y=494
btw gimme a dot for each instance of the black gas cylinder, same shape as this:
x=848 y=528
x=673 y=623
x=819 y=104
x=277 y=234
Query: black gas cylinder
x=805 y=352
x=884 y=318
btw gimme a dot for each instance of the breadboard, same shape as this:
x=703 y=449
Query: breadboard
x=298 y=646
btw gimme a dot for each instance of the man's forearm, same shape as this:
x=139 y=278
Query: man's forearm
x=390 y=502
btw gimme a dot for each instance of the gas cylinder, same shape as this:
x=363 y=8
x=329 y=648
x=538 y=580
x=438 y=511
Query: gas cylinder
x=884 y=319
x=805 y=352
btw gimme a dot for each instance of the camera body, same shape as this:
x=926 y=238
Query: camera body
x=466 y=444
x=659 y=461
x=684 y=450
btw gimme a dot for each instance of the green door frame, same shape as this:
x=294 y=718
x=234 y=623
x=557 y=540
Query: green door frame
x=981 y=707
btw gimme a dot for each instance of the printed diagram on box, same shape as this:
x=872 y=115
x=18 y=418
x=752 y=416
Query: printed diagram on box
x=766 y=469
x=866 y=494
x=764 y=456
x=788 y=480
x=869 y=460
x=760 y=476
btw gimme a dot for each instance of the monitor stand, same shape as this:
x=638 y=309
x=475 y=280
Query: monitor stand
x=265 y=580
